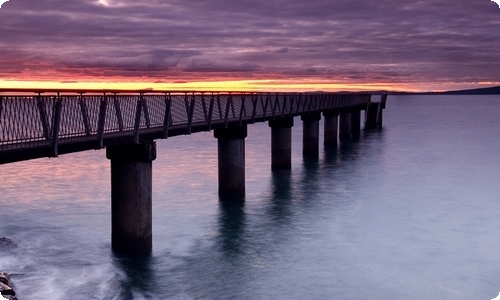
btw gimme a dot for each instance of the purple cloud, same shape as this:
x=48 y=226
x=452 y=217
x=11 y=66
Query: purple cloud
x=361 y=41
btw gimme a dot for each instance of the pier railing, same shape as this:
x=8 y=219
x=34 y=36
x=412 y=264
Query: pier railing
x=41 y=120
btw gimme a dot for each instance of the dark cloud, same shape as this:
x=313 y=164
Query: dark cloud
x=339 y=41
x=282 y=50
x=201 y=65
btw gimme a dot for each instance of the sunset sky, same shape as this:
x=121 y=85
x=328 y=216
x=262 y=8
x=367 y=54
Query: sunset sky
x=250 y=45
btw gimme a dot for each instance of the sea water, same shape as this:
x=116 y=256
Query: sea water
x=409 y=212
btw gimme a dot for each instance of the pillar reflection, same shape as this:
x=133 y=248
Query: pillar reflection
x=232 y=223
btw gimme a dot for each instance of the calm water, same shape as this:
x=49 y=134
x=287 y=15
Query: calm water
x=412 y=212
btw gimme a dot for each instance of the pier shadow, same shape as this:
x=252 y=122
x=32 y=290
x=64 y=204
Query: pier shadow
x=331 y=155
x=232 y=223
x=281 y=197
x=311 y=167
x=281 y=185
x=309 y=182
x=347 y=149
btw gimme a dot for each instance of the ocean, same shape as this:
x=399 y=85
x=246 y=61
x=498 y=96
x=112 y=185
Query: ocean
x=408 y=212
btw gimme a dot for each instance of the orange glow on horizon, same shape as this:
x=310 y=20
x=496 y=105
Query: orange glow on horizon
x=271 y=85
x=221 y=85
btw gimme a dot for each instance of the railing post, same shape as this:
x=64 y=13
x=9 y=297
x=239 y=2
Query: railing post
x=102 y=121
x=292 y=99
x=298 y=104
x=118 y=112
x=1 y=106
x=228 y=105
x=146 y=111
x=265 y=104
x=85 y=115
x=274 y=107
x=255 y=100
x=210 y=112
x=138 y=113
x=204 y=105
x=43 y=117
x=243 y=111
x=219 y=107
x=168 y=115
x=56 y=122
x=190 y=111
x=283 y=107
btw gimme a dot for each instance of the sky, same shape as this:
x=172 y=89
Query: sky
x=288 y=45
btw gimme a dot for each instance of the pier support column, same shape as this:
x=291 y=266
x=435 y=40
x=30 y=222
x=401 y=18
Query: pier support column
x=331 y=128
x=373 y=116
x=231 y=156
x=281 y=143
x=131 y=197
x=345 y=126
x=310 y=135
x=373 y=119
x=355 y=122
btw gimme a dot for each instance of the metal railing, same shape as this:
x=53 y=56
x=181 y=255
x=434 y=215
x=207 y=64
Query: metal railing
x=55 y=118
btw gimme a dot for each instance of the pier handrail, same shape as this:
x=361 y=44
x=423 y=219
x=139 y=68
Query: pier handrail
x=51 y=118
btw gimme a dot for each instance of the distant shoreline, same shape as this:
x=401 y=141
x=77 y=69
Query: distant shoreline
x=481 y=91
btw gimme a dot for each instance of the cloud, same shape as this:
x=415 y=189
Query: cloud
x=2 y=2
x=282 y=50
x=201 y=65
x=128 y=60
x=341 y=40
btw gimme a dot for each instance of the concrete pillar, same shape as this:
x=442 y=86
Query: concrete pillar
x=310 y=135
x=355 y=122
x=345 y=126
x=281 y=143
x=231 y=156
x=374 y=113
x=131 y=197
x=331 y=128
x=373 y=118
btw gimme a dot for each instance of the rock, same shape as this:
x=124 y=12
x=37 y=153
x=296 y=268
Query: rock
x=6 y=287
x=7 y=243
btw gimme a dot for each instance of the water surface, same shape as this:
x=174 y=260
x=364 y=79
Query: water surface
x=410 y=212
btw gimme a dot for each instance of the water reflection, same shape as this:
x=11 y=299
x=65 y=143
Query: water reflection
x=309 y=182
x=281 y=198
x=349 y=150
x=331 y=155
x=232 y=227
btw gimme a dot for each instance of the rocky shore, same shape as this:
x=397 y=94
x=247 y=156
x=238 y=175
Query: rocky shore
x=6 y=243
x=6 y=286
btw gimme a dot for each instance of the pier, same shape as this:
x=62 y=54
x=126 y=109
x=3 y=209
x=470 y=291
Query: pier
x=49 y=123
